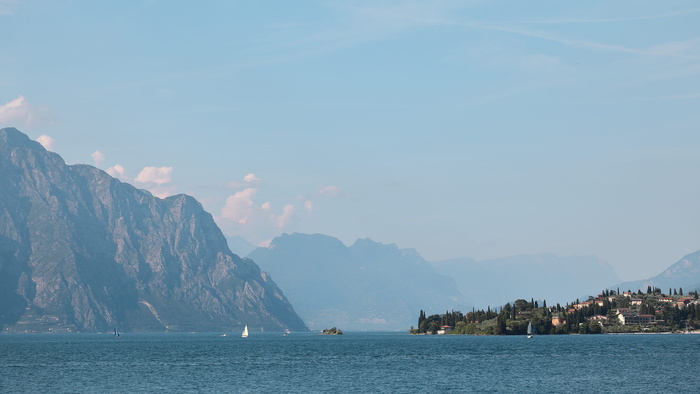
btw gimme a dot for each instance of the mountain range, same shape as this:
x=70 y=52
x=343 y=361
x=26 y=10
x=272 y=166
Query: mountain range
x=548 y=277
x=683 y=274
x=366 y=286
x=82 y=251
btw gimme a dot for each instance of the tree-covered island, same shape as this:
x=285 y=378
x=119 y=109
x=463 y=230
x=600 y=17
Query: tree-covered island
x=609 y=312
x=332 y=331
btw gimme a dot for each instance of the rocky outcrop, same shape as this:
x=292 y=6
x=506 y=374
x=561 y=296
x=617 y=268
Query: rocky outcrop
x=80 y=250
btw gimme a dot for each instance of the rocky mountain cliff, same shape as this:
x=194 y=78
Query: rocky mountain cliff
x=542 y=277
x=683 y=274
x=80 y=250
x=367 y=286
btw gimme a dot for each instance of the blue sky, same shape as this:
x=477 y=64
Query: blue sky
x=459 y=128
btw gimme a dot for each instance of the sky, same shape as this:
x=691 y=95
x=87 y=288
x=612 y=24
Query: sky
x=458 y=128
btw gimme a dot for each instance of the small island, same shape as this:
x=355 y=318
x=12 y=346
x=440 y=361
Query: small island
x=332 y=331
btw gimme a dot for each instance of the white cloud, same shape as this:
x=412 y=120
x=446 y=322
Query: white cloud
x=156 y=180
x=16 y=111
x=157 y=175
x=330 y=191
x=239 y=207
x=287 y=214
x=98 y=157
x=245 y=213
x=162 y=191
x=251 y=178
x=118 y=172
x=46 y=141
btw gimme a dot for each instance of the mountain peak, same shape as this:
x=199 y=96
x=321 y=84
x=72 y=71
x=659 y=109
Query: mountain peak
x=11 y=138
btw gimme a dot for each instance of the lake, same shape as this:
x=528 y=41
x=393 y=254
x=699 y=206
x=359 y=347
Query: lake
x=355 y=362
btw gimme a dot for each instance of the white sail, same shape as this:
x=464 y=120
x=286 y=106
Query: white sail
x=245 y=332
x=530 y=330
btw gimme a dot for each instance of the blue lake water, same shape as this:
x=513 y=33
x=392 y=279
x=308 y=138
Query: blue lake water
x=355 y=362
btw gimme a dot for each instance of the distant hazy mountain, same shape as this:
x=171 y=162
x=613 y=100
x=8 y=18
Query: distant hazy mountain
x=368 y=286
x=684 y=274
x=544 y=277
x=240 y=245
x=80 y=250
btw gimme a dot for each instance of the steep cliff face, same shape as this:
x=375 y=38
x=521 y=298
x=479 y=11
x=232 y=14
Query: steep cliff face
x=81 y=250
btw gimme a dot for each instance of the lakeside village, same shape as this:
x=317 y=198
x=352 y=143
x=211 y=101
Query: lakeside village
x=609 y=312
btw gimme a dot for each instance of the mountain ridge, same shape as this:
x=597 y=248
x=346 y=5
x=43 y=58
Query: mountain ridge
x=685 y=273
x=544 y=276
x=367 y=286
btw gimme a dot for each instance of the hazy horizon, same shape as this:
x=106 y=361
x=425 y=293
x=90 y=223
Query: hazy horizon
x=480 y=129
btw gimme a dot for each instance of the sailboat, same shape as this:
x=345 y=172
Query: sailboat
x=116 y=333
x=245 y=332
x=531 y=331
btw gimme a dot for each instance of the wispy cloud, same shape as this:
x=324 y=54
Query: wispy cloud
x=690 y=96
x=330 y=191
x=7 y=7
x=614 y=20
x=682 y=49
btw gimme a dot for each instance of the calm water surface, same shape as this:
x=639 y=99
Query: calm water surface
x=355 y=362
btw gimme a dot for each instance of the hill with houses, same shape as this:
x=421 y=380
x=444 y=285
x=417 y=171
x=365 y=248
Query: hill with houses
x=611 y=311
